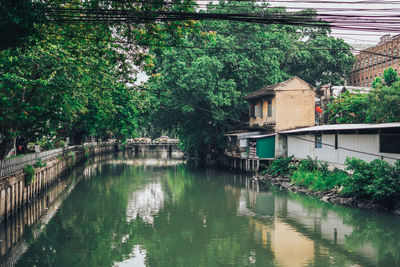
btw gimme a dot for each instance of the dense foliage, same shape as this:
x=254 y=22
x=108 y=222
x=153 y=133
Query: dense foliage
x=377 y=180
x=71 y=79
x=281 y=167
x=196 y=88
x=378 y=106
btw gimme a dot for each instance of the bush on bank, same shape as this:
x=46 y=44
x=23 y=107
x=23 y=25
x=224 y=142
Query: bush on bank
x=377 y=180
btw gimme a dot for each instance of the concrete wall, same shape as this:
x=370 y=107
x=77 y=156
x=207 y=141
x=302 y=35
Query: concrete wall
x=265 y=120
x=368 y=143
x=15 y=193
x=295 y=109
x=293 y=106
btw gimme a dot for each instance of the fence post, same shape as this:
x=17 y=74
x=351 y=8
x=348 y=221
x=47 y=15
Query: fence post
x=1 y=168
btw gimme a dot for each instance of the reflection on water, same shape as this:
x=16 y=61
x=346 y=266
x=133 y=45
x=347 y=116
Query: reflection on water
x=165 y=214
x=145 y=203
x=137 y=258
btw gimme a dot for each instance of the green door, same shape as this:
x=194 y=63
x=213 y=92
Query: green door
x=266 y=147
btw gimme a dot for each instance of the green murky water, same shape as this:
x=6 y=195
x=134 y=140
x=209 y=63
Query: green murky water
x=150 y=212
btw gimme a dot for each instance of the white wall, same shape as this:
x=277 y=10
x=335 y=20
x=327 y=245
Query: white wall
x=299 y=148
x=359 y=142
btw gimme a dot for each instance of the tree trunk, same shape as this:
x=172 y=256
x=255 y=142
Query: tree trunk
x=5 y=147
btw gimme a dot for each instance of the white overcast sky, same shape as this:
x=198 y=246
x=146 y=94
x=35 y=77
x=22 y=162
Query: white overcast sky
x=382 y=23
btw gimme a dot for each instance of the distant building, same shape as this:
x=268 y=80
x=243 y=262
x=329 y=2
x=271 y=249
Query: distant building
x=282 y=106
x=371 y=62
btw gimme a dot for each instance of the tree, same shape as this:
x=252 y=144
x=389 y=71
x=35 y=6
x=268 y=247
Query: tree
x=378 y=106
x=197 y=87
x=348 y=108
x=75 y=77
x=383 y=102
x=390 y=76
x=17 y=22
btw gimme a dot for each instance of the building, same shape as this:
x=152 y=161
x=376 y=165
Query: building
x=282 y=106
x=371 y=62
x=334 y=143
x=274 y=108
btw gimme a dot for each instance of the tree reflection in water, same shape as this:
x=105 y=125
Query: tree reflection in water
x=175 y=216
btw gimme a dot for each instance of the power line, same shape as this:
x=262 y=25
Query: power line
x=339 y=147
x=217 y=48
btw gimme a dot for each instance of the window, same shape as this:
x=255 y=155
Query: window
x=370 y=62
x=318 y=140
x=252 y=111
x=389 y=59
x=269 y=107
x=384 y=58
x=389 y=143
x=257 y=111
x=261 y=108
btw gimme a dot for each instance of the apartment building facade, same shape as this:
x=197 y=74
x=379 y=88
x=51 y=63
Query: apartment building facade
x=371 y=62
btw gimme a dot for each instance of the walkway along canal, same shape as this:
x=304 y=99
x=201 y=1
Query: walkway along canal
x=137 y=211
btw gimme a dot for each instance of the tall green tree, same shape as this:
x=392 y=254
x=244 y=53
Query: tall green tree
x=197 y=87
x=75 y=78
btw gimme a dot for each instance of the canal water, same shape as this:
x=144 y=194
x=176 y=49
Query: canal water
x=162 y=212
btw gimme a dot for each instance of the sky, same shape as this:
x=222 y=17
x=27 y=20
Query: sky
x=364 y=23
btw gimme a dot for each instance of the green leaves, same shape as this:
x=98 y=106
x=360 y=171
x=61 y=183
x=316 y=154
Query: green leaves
x=199 y=86
x=378 y=106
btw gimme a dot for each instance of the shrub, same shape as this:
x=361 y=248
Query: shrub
x=45 y=144
x=39 y=163
x=281 y=166
x=377 y=180
x=319 y=180
x=59 y=143
x=29 y=172
x=309 y=165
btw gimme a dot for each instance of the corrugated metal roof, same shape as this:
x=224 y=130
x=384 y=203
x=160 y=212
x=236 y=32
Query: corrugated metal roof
x=243 y=135
x=261 y=136
x=342 y=127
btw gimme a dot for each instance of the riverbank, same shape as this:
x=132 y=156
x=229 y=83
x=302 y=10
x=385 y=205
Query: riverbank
x=20 y=188
x=329 y=196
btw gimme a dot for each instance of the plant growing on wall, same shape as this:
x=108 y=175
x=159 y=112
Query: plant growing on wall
x=29 y=172
x=39 y=163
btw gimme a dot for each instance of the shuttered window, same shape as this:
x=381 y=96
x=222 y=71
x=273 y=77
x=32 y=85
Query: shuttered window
x=269 y=107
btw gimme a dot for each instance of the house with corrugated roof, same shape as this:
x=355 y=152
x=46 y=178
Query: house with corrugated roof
x=334 y=143
x=282 y=106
